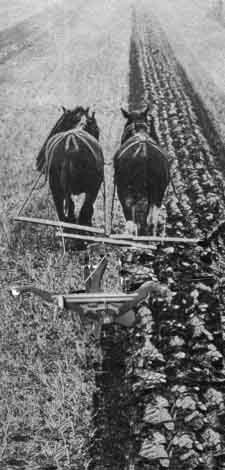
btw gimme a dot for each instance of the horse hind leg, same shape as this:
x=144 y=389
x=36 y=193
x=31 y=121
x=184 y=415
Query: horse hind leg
x=58 y=198
x=69 y=217
x=155 y=219
x=71 y=209
x=131 y=227
x=152 y=218
x=87 y=210
x=68 y=208
x=79 y=200
x=141 y=212
x=128 y=205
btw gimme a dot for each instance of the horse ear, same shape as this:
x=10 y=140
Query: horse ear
x=93 y=114
x=64 y=109
x=87 y=110
x=125 y=113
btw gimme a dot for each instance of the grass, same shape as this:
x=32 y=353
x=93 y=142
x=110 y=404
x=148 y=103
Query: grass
x=48 y=356
x=47 y=374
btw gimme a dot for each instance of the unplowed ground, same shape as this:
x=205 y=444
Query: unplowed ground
x=70 y=54
x=151 y=396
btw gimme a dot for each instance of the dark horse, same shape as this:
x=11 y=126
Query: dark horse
x=141 y=172
x=73 y=162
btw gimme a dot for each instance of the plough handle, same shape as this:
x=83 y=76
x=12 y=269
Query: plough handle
x=44 y=294
x=147 y=289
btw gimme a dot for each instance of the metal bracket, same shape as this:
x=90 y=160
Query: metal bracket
x=93 y=278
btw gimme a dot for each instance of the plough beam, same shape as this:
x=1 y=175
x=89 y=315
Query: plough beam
x=119 y=308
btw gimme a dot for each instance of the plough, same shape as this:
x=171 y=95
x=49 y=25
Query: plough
x=95 y=304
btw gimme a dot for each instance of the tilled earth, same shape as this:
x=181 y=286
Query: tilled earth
x=159 y=386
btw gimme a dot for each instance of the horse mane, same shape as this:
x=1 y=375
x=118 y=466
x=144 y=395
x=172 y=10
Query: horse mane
x=56 y=127
x=78 y=110
x=132 y=119
x=40 y=160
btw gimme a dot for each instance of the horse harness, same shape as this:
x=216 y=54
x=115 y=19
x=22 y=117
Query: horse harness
x=132 y=127
x=70 y=137
x=139 y=138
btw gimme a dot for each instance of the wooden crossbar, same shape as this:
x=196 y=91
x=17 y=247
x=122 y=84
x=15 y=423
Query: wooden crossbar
x=107 y=240
x=58 y=224
x=114 y=239
x=143 y=238
x=126 y=242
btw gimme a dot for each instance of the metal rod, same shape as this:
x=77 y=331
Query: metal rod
x=93 y=281
x=113 y=202
x=79 y=298
x=55 y=223
x=30 y=193
x=61 y=231
x=104 y=297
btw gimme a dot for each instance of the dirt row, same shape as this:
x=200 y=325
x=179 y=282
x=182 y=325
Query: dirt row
x=160 y=387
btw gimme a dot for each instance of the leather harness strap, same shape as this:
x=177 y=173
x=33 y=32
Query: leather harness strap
x=82 y=135
x=139 y=138
x=70 y=136
x=71 y=139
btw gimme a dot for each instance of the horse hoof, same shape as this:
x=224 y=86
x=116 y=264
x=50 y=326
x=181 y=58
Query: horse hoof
x=131 y=228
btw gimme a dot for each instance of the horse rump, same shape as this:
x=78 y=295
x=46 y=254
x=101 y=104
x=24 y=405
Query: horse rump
x=141 y=177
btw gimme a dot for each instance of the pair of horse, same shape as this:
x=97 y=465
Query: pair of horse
x=73 y=161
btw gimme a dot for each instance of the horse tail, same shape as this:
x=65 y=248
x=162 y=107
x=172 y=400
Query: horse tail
x=71 y=147
x=65 y=173
x=141 y=152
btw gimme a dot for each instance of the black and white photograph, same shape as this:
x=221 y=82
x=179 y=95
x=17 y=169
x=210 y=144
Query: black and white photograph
x=112 y=235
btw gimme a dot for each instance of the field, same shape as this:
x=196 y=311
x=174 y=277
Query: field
x=147 y=397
